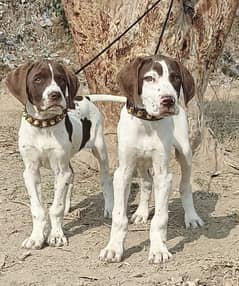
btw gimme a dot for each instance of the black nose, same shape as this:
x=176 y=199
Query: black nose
x=55 y=95
x=167 y=100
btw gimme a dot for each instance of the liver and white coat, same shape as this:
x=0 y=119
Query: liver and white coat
x=154 y=86
x=52 y=130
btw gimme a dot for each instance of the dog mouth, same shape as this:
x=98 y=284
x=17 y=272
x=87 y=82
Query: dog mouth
x=164 y=111
x=167 y=111
x=51 y=107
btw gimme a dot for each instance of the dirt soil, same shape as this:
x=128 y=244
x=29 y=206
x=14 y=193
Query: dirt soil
x=205 y=256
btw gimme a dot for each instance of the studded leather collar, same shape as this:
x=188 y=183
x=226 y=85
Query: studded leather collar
x=140 y=112
x=43 y=123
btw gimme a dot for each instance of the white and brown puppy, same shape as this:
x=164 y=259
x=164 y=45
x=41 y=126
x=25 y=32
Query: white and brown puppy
x=53 y=129
x=151 y=123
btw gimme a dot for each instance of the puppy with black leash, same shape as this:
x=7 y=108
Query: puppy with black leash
x=152 y=123
x=53 y=128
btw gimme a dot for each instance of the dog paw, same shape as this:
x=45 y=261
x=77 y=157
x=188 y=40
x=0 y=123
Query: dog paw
x=57 y=240
x=157 y=257
x=111 y=254
x=193 y=220
x=33 y=243
x=140 y=216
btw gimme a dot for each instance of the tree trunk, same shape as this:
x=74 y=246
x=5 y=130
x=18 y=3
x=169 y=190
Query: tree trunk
x=195 y=34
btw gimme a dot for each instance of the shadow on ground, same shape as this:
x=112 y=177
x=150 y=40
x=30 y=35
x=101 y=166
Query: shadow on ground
x=216 y=227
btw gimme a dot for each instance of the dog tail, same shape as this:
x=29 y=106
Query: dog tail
x=106 y=97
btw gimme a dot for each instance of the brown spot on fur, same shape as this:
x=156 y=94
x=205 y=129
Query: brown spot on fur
x=17 y=84
x=128 y=79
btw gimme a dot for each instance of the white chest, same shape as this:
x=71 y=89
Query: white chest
x=145 y=138
x=44 y=144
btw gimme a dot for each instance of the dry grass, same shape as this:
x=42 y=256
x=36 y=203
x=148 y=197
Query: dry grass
x=223 y=118
x=221 y=111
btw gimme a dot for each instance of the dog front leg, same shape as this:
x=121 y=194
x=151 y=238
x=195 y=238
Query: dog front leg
x=56 y=212
x=158 y=231
x=69 y=193
x=122 y=180
x=32 y=181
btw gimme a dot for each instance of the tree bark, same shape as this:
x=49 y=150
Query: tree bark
x=195 y=34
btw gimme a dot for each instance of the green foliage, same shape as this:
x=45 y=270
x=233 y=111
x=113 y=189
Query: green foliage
x=57 y=7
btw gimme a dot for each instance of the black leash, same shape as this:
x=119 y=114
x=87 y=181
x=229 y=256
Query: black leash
x=164 y=27
x=126 y=31
x=118 y=38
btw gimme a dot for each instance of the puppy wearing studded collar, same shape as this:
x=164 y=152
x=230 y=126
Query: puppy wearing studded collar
x=53 y=128
x=151 y=124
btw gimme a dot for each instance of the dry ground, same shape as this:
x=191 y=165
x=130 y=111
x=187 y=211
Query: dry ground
x=207 y=256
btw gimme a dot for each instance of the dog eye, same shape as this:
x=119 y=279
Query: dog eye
x=149 y=78
x=37 y=80
x=175 y=77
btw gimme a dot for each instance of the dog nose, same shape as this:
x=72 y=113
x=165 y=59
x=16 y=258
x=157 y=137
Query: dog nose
x=54 y=95
x=167 y=100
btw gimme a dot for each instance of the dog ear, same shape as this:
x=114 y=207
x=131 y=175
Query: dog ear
x=16 y=82
x=128 y=80
x=187 y=83
x=73 y=85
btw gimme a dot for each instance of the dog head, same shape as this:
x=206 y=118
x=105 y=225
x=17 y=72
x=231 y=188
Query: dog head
x=46 y=85
x=156 y=83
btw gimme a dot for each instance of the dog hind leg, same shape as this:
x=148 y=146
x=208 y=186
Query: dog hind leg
x=142 y=212
x=69 y=193
x=100 y=152
x=184 y=157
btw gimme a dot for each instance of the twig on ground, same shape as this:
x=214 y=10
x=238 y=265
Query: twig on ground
x=19 y=202
x=21 y=259
x=3 y=261
x=123 y=263
x=232 y=163
x=13 y=231
x=89 y=278
x=108 y=225
x=66 y=250
x=24 y=255
x=110 y=133
x=138 y=229
x=11 y=265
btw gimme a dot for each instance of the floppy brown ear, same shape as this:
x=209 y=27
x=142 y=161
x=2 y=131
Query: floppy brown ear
x=16 y=82
x=128 y=80
x=73 y=85
x=187 y=83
